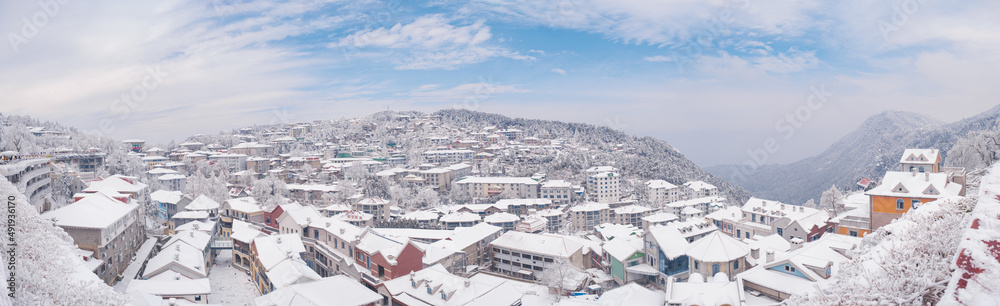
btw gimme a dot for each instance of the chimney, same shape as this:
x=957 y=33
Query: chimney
x=927 y=176
x=770 y=256
x=914 y=172
x=278 y=240
x=802 y=209
x=342 y=230
x=755 y=253
x=467 y=283
x=328 y=223
x=177 y=256
x=191 y=234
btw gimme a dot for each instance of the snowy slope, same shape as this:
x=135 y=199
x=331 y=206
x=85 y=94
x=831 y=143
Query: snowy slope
x=652 y=158
x=867 y=152
x=48 y=271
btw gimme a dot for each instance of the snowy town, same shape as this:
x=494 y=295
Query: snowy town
x=413 y=209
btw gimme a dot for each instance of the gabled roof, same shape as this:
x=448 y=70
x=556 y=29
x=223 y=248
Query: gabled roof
x=274 y=249
x=339 y=288
x=669 y=239
x=717 y=247
x=202 y=203
x=545 y=244
x=920 y=156
x=244 y=205
x=374 y=243
x=177 y=256
x=96 y=210
x=172 y=288
x=916 y=185
x=660 y=184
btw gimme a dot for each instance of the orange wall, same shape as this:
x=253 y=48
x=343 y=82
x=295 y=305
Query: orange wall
x=847 y=231
x=888 y=204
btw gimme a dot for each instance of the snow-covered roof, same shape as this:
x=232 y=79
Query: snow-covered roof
x=704 y=293
x=589 y=207
x=245 y=232
x=177 y=256
x=730 y=213
x=620 y=249
x=612 y=231
x=170 y=177
x=274 y=249
x=207 y=226
x=777 y=209
x=117 y=182
x=717 y=247
x=421 y=215
x=291 y=271
x=161 y=171
x=373 y=201
x=503 y=204
x=166 y=196
x=660 y=217
x=660 y=184
x=190 y=214
x=466 y=236
x=339 y=288
x=920 y=156
x=556 y=184
x=460 y=217
x=171 y=288
x=302 y=216
x=497 y=180
x=197 y=239
x=916 y=185
x=96 y=210
x=337 y=227
x=373 y=243
x=669 y=239
x=632 y=294
x=545 y=244
x=631 y=209
x=501 y=218
x=246 y=205
x=202 y=203
x=699 y=185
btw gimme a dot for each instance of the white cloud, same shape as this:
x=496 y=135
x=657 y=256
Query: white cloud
x=659 y=58
x=431 y=42
x=559 y=71
x=472 y=91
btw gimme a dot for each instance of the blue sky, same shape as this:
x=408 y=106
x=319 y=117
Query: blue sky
x=713 y=78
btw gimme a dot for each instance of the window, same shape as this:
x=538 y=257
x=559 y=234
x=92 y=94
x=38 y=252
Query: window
x=715 y=269
x=696 y=265
x=429 y=290
x=899 y=204
x=914 y=203
x=736 y=264
x=921 y=169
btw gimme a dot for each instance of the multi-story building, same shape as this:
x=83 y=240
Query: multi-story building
x=555 y=219
x=253 y=149
x=383 y=258
x=700 y=189
x=173 y=181
x=448 y=156
x=604 y=187
x=764 y=218
x=278 y=263
x=900 y=192
x=920 y=161
x=559 y=191
x=523 y=206
x=514 y=187
x=660 y=192
x=107 y=226
x=631 y=214
x=232 y=161
x=801 y=271
x=506 y=221
x=31 y=177
x=525 y=255
x=134 y=145
x=718 y=253
x=169 y=203
x=459 y=219
x=377 y=207
x=586 y=216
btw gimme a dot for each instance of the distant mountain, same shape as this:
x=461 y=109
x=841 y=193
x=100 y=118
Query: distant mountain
x=868 y=152
x=636 y=157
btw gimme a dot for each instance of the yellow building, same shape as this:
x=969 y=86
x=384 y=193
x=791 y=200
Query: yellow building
x=924 y=181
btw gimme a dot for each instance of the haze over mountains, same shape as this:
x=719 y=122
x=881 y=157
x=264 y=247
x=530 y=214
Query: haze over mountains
x=867 y=152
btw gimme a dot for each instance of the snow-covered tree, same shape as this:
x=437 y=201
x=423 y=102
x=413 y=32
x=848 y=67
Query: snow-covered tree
x=269 y=191
x=907 y=262
x=561 y=277
x=121 y=163
x=831 y=198
x=979 y=149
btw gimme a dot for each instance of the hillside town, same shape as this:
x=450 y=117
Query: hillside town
x=437 y=214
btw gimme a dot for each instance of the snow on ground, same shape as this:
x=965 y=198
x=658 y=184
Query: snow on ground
x=230 y=286
x=137 y=262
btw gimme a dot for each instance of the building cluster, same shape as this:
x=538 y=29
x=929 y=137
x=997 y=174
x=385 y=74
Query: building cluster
x=518 y=240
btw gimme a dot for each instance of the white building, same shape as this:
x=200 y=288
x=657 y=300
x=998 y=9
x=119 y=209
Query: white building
x=661 y=192
x=448 y=156
x=604 y=187
x=700 y=189
x=484 y=187
x=176 y=182
x=559 y=191
x=234 y=162
x=526 y=255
